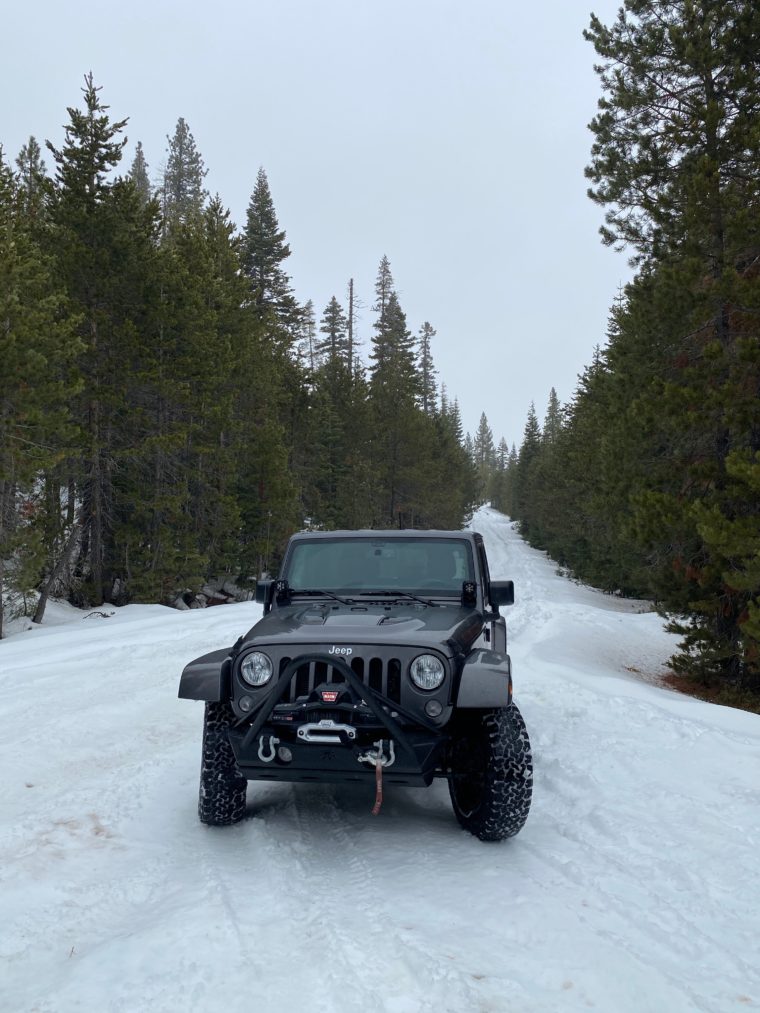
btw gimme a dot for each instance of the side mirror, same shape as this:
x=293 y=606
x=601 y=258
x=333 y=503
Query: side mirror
x=502 y=592
x=264 y=591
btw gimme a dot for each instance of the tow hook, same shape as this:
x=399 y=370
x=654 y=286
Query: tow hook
x=377 y=757
x=273 y=740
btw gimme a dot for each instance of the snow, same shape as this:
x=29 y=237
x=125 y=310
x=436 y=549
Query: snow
x=634 y=886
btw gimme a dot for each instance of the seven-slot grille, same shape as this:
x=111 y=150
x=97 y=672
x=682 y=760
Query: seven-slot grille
x=380 y=674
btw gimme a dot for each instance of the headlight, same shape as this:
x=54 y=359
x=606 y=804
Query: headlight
x=256 y=669
x=427 y=672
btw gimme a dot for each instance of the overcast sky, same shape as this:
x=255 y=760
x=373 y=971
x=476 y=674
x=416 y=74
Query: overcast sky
x=450 y=137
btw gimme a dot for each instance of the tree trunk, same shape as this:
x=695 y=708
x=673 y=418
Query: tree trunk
x=63 y=561
x=351 y=327
x=96 y=511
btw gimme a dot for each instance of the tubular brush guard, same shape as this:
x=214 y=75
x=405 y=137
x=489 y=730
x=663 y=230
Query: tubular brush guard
x=362 y=692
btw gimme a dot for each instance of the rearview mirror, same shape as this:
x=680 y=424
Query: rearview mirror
x=502 y=592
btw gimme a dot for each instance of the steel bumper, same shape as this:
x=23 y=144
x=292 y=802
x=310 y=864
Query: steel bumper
x=265 y=750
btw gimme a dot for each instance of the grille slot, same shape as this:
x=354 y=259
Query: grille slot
x=394 y=680
x=380 y=675
x=375 y=680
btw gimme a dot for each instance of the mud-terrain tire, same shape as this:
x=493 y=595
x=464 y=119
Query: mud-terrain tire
x=491 y=779
x=221 y=799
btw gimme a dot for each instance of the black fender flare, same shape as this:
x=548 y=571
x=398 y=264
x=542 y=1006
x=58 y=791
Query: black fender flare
x=207 y=678
x=485 y=681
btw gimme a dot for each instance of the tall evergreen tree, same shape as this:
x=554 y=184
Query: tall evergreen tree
x=484 y=453
x=483 y=446
x=182 y=192
x=384 y=289
x=37 y=380
x=455 y=420
x=444 y=407
x=334 y=325
x=138 y=173
x=32 y=177
x=395 y=389
x=351 y=316
x=528 y=454
x=104 y=238
x=469 y=447
x=308 y=344
x=426 y=368
x=264 y=251
x=497 y=486
x=553 y=419
x=676 y=138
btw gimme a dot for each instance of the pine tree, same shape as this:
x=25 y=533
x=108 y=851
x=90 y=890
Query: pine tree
x=448 y=480
x=104 y=241
x=383 y=291
x=264 y=251
x=455 y=421
x=138 y=173
x=334 y=346
x=33 y=178
x=308 y=344
x=444 y=406
x=676 y=137
x=395 y=389
x=553 y=419
x=338 y=416
x=530 y=449
x=182 y=192
x=508 y=490
x=497 y=484
x=484 y=454
x=37 y=381
x=483 y=446
x=426 y=368
x=351 y=316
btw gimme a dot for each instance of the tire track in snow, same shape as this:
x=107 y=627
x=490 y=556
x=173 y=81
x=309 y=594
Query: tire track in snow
x=394 y=973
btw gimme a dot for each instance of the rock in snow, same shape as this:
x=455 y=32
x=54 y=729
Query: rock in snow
x=635 y=885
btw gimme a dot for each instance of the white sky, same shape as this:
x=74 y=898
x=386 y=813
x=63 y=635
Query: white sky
x=450 y=137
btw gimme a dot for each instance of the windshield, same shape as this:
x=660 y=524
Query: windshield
x=432 y=565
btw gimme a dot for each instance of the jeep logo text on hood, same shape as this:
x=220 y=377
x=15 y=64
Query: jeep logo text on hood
x=340 y=650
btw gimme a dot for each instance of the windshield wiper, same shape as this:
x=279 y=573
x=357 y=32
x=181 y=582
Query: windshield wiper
x=315 y=591
x=401 y=594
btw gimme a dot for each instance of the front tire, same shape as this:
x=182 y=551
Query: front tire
x=221 y=799
x=491 y=780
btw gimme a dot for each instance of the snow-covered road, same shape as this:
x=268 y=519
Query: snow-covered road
x=635 y=885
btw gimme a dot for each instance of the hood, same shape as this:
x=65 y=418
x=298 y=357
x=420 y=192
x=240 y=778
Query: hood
x=407 y=623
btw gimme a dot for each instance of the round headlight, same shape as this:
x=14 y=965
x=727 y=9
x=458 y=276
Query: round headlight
x=256 y=669
x=427 y=672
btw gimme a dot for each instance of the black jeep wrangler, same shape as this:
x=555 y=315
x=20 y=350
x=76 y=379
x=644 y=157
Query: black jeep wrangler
x=381 y=656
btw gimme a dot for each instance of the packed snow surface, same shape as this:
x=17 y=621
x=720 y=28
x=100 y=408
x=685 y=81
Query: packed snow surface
x=635 y=885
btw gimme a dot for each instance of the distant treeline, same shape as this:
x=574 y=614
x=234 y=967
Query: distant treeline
x=648 y=482
x=168 y=409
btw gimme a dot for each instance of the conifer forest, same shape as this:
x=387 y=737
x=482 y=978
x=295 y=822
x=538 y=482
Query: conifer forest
x=170 y=412
x=648 y=482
